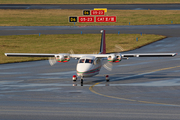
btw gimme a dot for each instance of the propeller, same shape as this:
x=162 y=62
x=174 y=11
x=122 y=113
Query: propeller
x=52 y=61
x=118 y=48
x=71 y=51
x=109 y=65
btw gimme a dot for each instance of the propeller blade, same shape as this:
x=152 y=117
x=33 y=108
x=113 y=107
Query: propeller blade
x=71 y=51
x=108 y=66
x=94 y=52
x=52 y=61
x=118 y=48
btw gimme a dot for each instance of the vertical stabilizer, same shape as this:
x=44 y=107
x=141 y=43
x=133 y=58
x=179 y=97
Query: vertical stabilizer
x=103 y=43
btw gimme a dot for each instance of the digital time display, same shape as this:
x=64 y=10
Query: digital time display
x=72 y=19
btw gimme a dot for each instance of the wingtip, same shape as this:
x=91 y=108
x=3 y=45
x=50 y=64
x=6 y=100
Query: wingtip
x=174 y=54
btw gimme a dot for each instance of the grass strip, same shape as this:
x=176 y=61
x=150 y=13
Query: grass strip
x=60 y=17
x=87 y=1
x=62 y=43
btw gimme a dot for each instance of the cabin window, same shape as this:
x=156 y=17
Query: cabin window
x=81 y=61
x=89 y=61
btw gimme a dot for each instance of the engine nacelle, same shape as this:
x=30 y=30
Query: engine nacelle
x=62 y=58
x=114 y=58
x=97 y=61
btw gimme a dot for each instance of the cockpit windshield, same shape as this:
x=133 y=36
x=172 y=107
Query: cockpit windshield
x=89 y=61
x=86 y=61
x=81 y=61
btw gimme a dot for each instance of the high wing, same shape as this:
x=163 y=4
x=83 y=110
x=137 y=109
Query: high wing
x=29 y=55
x=150 y=55
x=127 y=55
x=102 y=53
x=95 y=55
x=53 y=55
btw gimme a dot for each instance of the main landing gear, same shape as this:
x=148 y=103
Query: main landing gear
x=81 y=80
x=107 y=78
x=74 y=78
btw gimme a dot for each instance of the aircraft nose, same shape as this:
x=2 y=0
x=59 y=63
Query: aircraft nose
x=84 y=67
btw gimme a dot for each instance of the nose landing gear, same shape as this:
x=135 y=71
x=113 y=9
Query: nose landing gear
x=81 y=80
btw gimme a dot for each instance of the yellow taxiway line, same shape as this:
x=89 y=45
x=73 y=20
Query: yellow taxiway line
x=147 y=102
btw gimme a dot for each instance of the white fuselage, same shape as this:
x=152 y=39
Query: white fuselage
x=88 y=66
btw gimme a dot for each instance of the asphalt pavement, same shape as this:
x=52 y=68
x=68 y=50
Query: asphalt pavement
x=172 y=30
x=139 y=88
x=92 y=6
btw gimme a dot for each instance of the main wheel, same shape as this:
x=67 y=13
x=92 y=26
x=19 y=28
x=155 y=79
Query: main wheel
x=74 y=78
x=107 y=78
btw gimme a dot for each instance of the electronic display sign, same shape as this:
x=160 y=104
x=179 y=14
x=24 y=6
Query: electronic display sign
x=86 y=19
x=105 y=9
x=86 y=12
x=106 y=19
x=72 y=19
x=97 y=12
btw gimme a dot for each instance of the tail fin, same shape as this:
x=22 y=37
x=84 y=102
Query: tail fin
x=103 y=43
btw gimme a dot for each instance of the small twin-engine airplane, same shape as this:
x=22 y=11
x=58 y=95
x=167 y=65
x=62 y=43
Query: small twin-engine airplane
x=90 y=64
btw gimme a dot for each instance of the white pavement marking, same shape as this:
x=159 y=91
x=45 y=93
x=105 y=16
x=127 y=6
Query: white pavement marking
x=59 y=73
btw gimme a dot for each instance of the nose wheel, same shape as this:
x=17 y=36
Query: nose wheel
x=81 y=80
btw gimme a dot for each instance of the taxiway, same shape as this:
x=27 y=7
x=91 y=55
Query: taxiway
x=140 y=88
x=92 y=6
